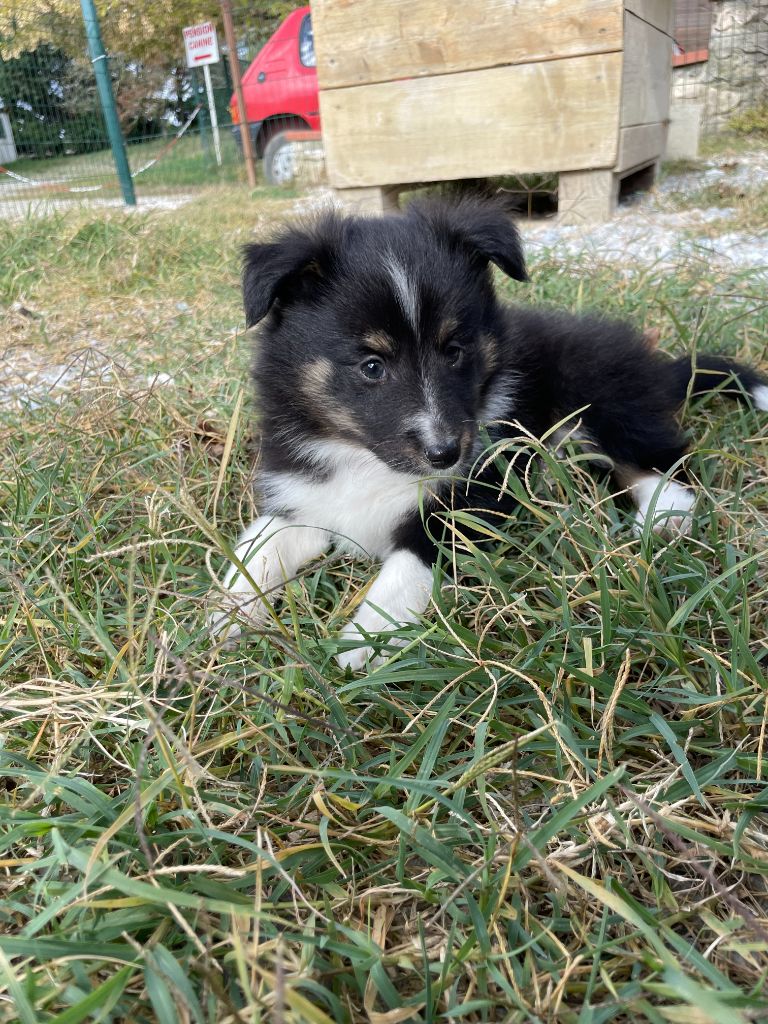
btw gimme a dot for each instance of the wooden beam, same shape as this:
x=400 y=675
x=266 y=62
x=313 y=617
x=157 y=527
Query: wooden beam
x=640 y=145
x=553 y=116
x=587 y=197
x=360 y=42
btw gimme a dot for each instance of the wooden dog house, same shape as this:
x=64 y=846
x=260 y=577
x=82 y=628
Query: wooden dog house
x=417 y=91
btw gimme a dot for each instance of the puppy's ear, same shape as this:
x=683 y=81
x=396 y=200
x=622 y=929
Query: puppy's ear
x=280 y=270
x=483 y=226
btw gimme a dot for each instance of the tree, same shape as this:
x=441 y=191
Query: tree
x=50 y=112
x=47 y=82
x=145 y=31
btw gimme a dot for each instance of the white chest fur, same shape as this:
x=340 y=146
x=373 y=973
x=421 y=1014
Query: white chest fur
x=359 y=503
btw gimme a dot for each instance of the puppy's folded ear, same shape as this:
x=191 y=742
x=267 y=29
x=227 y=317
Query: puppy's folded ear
x=280 y=271
x=483 y=226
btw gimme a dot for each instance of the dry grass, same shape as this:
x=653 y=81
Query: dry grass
x=549 y=806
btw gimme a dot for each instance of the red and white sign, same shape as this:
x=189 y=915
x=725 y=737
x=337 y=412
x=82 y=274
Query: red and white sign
x=201 y=44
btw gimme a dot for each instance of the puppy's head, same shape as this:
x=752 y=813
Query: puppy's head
x=384 y=332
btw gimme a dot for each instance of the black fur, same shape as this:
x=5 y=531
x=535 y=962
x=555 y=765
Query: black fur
x=329 y=294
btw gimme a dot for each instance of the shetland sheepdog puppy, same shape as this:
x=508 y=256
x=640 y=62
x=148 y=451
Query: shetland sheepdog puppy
x=386 y=364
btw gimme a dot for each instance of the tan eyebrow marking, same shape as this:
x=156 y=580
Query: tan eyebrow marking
x=380 y=342
x=445 y=330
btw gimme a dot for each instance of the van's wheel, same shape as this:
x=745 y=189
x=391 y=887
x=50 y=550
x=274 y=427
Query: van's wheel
x=280 y=160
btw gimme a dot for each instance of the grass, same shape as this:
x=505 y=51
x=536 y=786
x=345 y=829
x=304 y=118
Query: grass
x=551 y=805
x=189 y=163
x=747 y=204
x=728 y=143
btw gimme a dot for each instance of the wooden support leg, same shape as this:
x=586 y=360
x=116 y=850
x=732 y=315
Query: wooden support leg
x=373 y=199
x=587 y=197
x=644 y=178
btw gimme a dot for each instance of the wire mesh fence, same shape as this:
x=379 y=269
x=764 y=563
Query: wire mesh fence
x=721 y=62
x=54 y=147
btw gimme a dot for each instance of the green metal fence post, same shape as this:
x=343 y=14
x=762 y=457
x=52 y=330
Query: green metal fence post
x=101 y=69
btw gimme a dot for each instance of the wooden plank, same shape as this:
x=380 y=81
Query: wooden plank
x=647 y=73
x=553 y=116
x=365 y=41
x=660 y=13
x=679 y=60
x=641 y=144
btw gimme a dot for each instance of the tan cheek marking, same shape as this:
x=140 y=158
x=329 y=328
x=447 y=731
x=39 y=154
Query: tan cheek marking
x=341 y=419
x=315 y=379
x=379 y=342
x=489 y=349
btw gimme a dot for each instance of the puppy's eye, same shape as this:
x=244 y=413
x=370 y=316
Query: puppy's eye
x=454 y=355
x=373 y=369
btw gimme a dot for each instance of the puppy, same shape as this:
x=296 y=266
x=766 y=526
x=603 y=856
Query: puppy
x=384 y=357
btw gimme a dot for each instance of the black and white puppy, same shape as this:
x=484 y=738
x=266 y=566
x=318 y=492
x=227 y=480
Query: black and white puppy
x=384 y=354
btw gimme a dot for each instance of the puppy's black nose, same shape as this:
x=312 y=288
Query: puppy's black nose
x=443 y=453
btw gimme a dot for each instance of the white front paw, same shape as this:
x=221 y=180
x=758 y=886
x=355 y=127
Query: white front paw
x=358 y=657
x=399 y=594
x=355 y=659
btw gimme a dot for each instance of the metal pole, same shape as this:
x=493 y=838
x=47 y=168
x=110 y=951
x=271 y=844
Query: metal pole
x=101 y=69
x=234 y=67
x=212 y=108
x=205 y=141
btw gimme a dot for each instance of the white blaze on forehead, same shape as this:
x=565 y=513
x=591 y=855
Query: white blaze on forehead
x=405 y=291
x=430 y=398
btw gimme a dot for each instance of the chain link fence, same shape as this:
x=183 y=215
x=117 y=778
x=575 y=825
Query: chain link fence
x=53 y=141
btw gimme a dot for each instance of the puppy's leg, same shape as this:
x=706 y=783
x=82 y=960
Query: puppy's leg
x=640 y=434
x=668 y=503
x=271 y=550
x=400 y=593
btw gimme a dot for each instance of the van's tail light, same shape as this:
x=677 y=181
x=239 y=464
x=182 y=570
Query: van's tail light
x=234 y=111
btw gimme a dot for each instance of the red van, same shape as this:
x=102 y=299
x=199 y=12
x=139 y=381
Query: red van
x=281 y=95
